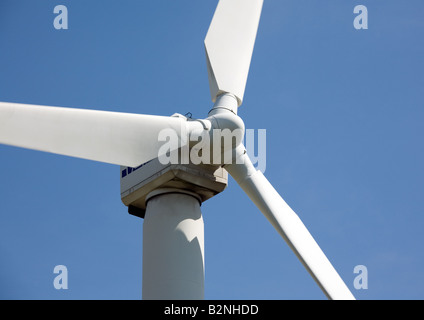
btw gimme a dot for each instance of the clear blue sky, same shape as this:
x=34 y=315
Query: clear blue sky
x=344 y=113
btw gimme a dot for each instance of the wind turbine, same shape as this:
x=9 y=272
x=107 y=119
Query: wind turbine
x=168 y=196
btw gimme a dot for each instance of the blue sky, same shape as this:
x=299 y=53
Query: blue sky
x=343 y=109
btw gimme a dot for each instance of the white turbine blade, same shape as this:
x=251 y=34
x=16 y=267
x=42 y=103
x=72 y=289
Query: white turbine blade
x=229 y=46
x=111 y=137
x=291 y=228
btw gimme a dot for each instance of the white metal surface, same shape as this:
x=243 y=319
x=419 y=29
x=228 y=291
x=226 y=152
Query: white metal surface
x=173 y=247
x=112 y=137
x=229 y=46
x=290 y=227
x=226 y=101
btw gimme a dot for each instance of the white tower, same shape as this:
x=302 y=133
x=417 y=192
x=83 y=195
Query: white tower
x=169 y=198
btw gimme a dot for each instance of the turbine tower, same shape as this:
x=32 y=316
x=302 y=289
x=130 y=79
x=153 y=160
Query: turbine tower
x=169 y=194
